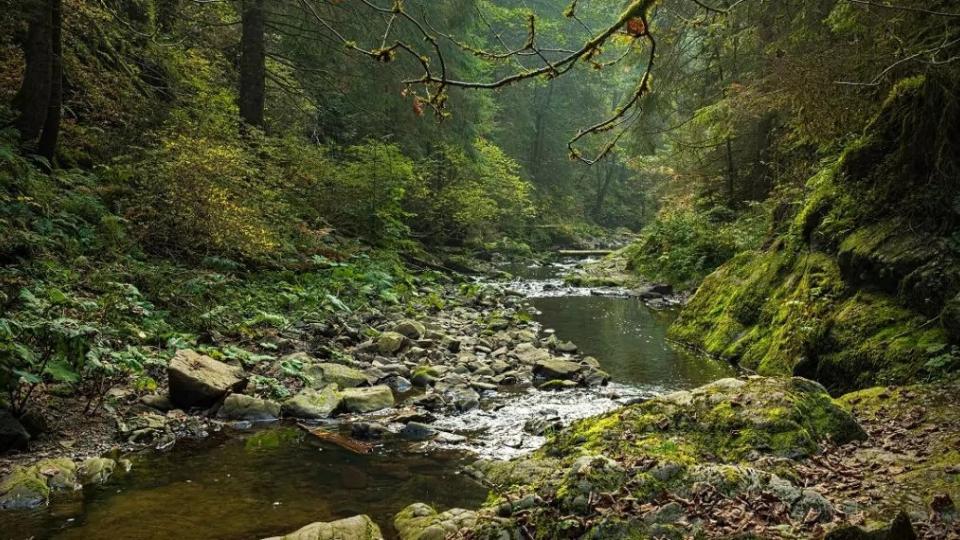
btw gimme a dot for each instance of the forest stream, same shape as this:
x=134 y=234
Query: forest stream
x=254 y=482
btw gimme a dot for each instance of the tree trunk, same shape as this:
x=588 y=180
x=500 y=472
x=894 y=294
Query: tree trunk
x=33 y=98
x=252 y=64
x=539 y=133
x=51 y=125
x=167 y=11
x=731 y=175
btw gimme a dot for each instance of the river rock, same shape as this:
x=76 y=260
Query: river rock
x=352 y=528
x=159 y=402
x=27 y=487
x=343 y=376
x=313 y=404
x=421 y=522
x=13 y=436
x=464 y=399
x=241 y=407
x=568 y=347
x=410 y=328
x=364 y=400
x=367 y=430
x=390 y=342
x=527 y=353
x=199 y=381
x=96 y=470
x=417 y=431
x=556 y=369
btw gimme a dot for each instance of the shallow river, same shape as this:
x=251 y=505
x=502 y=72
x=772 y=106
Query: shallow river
x=248 y=485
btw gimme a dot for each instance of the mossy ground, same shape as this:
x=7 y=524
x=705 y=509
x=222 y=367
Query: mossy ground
x=755 y=458
x=615 y=476
x=857 y=290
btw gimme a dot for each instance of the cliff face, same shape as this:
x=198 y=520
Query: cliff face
x=861 y=285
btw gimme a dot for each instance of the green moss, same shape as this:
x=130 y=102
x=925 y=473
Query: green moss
x=31 y=486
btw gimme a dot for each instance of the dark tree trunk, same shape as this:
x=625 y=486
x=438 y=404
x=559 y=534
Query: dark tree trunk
x=33 y=98
x=252 y=64
x=167 y=14
x=51 y=125
x=731 y=175
x=536 y=157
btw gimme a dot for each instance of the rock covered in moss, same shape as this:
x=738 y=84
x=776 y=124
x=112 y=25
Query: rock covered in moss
x=197 y=380
x=249 y=408
x=390 y=342
x=352 y=528
x=367 y=399
x=421 y=522
x=329 y=373
x=27 y=487
x=96 y=470
x=678 y=463
x=313 y=404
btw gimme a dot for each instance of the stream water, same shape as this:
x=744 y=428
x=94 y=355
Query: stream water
x=252 y=484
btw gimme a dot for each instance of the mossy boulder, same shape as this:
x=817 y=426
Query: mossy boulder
x=367 y=399
x=96 y=470
x=352 y=528
x=421 y=522
x=249 y=408
x=27 y=487
x=329 y=373
x=731 y=419
x=391 y=342
x=313 y=404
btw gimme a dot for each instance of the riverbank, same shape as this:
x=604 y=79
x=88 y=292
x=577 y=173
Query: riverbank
x=756 y=457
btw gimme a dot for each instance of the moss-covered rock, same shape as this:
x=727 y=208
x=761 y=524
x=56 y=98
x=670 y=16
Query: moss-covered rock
x=313 y=404
x=367 y=399
x=96 y=470
x=421 y=522
x=30 y=486
x=352 y=528
x=241 y=407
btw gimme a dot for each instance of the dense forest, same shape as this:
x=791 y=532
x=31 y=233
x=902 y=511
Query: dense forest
x=505 y=269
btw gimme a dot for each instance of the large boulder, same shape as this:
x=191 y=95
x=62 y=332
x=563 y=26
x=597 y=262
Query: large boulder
x=556 y=369
x=241 y=407
x=13 y=436
x=313 y=404
x=28 y=487
x=421 y=522
x=343 y=376
x=364 y=400
x=200 y=381
x=352 y=528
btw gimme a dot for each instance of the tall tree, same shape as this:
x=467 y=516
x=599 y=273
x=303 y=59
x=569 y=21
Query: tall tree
x=252 y=63
x=40 y=95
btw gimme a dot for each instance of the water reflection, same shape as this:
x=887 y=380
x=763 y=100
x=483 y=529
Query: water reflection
x=629 y=339
x=256 y=485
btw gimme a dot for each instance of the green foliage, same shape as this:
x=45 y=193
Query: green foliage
x=684 y=245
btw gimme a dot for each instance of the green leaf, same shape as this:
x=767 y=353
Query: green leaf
x=62 y=371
